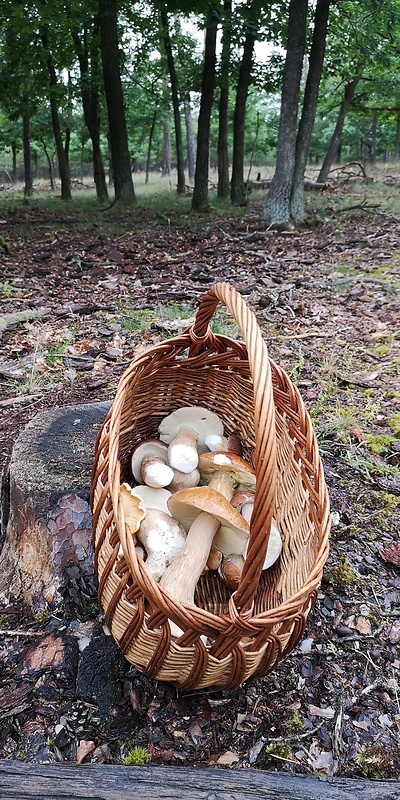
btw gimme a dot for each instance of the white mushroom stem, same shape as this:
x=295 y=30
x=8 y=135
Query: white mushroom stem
x=182 y=451
x=163 y=538
x=155 y=472
x=224 y=483
x=181 y=577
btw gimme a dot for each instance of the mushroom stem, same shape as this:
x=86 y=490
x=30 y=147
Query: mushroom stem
x=182 y=451
x=181 y=577
x=155 y=472
x=224 y=483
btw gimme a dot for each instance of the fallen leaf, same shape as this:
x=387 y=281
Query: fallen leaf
x=325 y=713
x=228 y=758
x=363 y=626
x=84 y=748
x=391 y=553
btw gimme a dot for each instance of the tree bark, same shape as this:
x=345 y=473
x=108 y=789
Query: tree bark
x=189 y=137
x=397 y=140
x=200 y=191
x=166 y=151
x=28 y=188
x=14 y=161
x=121 y=162
x=372 y=149
x=88 y=66
x=175 y=101
x=223 y=156
x=63 y=165
x=306 y=123
x=151 y=134
x=334 y=145
x=49 y=162
x=238 y=194
x=277 y=206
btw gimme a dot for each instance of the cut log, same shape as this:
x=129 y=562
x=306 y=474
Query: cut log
x=47 y=555
x=54 y=782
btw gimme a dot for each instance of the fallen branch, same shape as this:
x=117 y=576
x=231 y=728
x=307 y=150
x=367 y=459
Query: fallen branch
x=6 y=320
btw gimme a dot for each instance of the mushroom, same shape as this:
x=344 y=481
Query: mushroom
x=230 y=444
x=184 y=430
x=274 y=548
x=134 y=508
x=153 y=498
x=223 y=471
x=243 y=501
x=230 y=570
x=149 y=464
x=163 y=538
x=205 y=514
x=184 y=480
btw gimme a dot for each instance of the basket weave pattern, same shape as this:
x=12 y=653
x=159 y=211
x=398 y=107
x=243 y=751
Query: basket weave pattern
x=249 y=631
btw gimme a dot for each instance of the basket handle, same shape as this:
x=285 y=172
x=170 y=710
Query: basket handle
x=264 y=423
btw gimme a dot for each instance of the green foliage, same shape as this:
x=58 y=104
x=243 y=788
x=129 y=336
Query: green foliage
x=137 y=757
x=342 y=575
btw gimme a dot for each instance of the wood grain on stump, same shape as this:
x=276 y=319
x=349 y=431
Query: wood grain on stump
x=47 y=554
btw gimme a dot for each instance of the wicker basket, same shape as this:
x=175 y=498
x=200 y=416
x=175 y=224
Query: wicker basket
x=229 y=638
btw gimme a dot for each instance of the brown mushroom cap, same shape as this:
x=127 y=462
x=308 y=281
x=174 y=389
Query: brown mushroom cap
x=229 y=463
x=233 y=532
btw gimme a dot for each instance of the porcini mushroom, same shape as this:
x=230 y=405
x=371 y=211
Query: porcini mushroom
x=163 y=538
x=184 y=480
x=223 y=471
x=184 y=431
x=230 y=570
x=205 y=514
x=149 y=464
x=153 y=498
x=274 y=548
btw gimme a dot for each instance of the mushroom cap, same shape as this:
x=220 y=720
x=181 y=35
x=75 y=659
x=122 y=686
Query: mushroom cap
x=233 y=532
x=199 y=419
x=153 y=498
x=133 y=505
x=241 y=472
x=150 y=447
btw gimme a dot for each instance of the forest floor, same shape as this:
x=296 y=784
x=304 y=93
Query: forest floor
x=106 y=285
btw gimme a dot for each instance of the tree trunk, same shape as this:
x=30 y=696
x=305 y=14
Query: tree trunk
x=190 y=137
x=121 y=162
x=63 y=165
x=238 y=194
x=372 y=149
x=166 y=151
x=306 y=124
x=334 y=145
x=49 y=162
x=151 y=134
x=175 y=102
x=26 y=135
x=277 y=206
x=223 y=156
x=200 y=191
x=14 y=161
x=90 y=102
x=397 y=140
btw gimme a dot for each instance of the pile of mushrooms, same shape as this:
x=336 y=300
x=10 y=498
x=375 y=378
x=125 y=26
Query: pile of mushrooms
x=181 y=528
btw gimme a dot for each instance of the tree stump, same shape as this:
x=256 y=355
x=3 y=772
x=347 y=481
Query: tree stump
x=47 y=555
